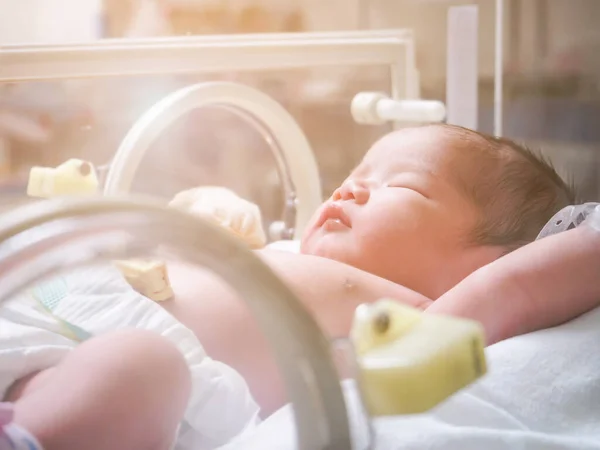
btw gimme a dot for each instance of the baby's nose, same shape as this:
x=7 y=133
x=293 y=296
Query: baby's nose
x=352 y=190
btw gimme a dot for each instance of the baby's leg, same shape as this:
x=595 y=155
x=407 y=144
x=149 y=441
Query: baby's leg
x=124 y=390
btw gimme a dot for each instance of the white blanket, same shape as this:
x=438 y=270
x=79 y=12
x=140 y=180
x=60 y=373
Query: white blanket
x=542 y=392
x=99 y=300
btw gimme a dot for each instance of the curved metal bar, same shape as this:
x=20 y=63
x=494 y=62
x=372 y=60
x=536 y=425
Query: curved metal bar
x=84 y=229
x=283 y=169
x=300 y=165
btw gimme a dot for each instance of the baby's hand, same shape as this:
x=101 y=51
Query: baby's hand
x=225 y=208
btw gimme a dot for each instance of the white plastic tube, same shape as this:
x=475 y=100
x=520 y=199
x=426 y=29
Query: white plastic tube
x=462 y=66
x=376 y=108
x=411 y=110
x=202 y=54
x=499 y=68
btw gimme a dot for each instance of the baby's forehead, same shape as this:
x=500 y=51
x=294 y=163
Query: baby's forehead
x=427 y=149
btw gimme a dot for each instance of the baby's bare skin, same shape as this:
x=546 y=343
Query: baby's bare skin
x=225 y=327
x=541 y=285
x=97 y=398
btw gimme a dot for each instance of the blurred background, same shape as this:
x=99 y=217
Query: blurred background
x=551 y=88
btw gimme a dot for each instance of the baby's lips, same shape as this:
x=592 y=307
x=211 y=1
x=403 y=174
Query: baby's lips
x=333 y=210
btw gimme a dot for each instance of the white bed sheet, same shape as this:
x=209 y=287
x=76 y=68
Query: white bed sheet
x=542 y=392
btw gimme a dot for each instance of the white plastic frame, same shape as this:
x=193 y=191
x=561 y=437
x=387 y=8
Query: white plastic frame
x=201 y=54
x=594 y=218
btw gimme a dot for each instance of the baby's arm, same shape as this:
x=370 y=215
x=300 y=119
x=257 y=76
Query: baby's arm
x=541 y=285
x=332 y=290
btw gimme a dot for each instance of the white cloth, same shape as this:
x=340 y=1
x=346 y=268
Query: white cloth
x=542 y=392
x=100 y=301
x=292 y=246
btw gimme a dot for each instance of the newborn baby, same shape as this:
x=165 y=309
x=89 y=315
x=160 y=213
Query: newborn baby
x=426 y=208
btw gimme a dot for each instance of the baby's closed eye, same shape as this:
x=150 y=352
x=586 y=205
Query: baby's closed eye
x=409 y=186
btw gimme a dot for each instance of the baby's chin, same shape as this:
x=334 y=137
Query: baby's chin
x=328 y=246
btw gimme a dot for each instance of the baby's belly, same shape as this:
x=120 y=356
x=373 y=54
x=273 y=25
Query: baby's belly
x=221 y=320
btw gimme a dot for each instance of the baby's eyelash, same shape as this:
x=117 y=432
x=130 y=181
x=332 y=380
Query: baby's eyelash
x=404 y=186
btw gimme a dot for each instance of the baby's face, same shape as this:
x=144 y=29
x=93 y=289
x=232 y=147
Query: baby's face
x=400 y=216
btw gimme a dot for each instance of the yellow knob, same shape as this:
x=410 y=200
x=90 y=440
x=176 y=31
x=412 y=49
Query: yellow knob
x=410 y=361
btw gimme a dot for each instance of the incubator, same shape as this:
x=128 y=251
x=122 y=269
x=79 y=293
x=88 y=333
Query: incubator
x=400 y=367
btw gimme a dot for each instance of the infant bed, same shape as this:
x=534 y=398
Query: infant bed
x=108 y=223
x=81 y=231
x=294 y=159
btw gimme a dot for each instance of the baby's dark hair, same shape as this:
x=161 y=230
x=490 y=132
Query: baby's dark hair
x=516 y=189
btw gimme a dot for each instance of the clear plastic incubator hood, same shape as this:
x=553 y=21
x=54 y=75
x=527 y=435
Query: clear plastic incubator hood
x=49 y=237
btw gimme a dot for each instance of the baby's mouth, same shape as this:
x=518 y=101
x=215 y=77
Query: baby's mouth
x=334 y=216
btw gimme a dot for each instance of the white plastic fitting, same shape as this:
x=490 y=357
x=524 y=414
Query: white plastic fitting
x=276 y=230
x=376 y=108
x=594 y=219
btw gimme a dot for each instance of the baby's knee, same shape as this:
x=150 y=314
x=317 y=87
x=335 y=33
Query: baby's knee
x=139 y=370
x=144 y=353
x=151 y=379
x=133 y=385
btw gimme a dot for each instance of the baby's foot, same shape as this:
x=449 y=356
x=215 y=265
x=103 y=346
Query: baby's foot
x=12 y=436
x=6 y=414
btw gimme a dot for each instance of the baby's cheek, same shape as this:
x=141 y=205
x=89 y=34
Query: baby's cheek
x=310 y=226
x=307 y=240
x=305 y=244
x=378 y=232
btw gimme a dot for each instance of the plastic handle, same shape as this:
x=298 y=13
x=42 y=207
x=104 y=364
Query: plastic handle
x=410 y=361
x=375 y=109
